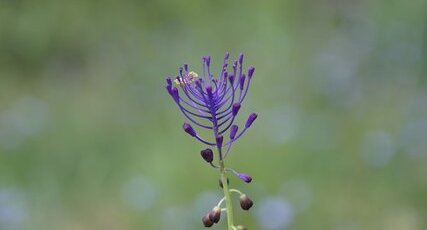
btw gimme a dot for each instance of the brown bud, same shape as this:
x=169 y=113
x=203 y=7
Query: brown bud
x=215 y=214
x=245 y=202
x=206 y=221
x=241 y=227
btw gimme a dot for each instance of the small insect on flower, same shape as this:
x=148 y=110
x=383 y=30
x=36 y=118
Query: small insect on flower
x=186 y=79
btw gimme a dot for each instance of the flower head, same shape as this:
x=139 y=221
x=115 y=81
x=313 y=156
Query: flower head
x=212 y=102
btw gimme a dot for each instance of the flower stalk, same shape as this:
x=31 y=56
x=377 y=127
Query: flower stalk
x=214 y=103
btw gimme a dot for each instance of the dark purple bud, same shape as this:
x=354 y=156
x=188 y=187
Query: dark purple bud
x=215 y=214
x=206 y=221
x=251 y=71
x=242 y=81
x=245 y=202
x=231 y=78
x=240 y=59
x=186 y=67
x=251 y=119
x=207 y=154
x=233 y=131
x=188 y=129
x=209 y=91
x=235 y=109
x=219 y=140
x=168 y=81
x=241 y=227
x=175 y=94
x=234 y=64
x=245 y=177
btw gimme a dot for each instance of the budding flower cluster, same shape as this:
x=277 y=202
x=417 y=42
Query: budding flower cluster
x=212 y=217
x=213 y=103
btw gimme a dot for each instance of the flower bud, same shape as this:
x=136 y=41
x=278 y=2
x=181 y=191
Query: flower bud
x=251 y=71
x=235 y=109
x=240 y=59
x=251 y=119
x=215 y=214
x=245 y=177
x=233 y=131
x=242 y=81
x=188 y=129
x=245 y=202
x=168 y=81
x=231 y=78
x=206 y=221
x=219 y=140
x=175 y=94
x=207 y=60
x=241 y=227
x=207 y=155
x=227 y=54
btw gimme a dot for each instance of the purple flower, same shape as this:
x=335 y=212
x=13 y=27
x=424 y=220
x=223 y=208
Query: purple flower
x=212 y=102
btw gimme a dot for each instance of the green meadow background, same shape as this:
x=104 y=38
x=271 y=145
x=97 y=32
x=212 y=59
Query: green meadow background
x=89 y=138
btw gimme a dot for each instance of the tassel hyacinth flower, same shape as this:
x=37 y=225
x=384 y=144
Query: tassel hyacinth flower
x=213 y=103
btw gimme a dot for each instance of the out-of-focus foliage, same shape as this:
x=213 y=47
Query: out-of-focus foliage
x=89 y=138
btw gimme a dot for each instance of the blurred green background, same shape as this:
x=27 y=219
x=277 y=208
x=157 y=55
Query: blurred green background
x=89 y=138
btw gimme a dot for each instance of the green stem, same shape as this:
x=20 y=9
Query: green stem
x=228 y=203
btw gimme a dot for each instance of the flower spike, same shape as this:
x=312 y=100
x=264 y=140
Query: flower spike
x=213 y=103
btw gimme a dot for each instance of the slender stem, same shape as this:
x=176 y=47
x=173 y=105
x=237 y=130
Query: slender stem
x=222 y=169
x=228 y=203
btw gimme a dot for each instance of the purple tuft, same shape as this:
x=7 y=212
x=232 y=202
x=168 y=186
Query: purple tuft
x=209 y=102
x=250 y=120
x=235 y=109
x=246 y=178
x=188 y=129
